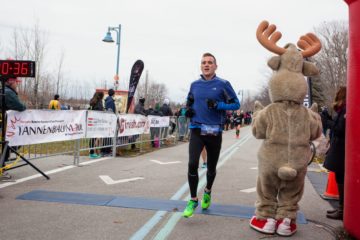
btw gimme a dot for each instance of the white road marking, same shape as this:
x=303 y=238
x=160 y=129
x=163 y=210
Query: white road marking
x=109 y=181
x=50 y=172
x=163 y=163
x=249 y=190
x=254 y=168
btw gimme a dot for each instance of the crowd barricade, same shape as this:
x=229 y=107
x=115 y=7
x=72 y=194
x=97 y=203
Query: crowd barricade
x=46 y=133
x=182 y=128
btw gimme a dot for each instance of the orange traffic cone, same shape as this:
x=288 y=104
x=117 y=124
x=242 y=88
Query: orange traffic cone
x=331 y=191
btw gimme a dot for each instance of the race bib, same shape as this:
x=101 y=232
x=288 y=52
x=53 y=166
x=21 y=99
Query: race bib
x=210 y=130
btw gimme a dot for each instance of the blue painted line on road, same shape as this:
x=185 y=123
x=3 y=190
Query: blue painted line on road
x=67 y=197
x=236 y=211
x=154 y=220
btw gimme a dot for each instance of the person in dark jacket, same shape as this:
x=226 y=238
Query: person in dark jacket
x=166 y=111
x=12 y=102
x=140 y=107
x=165 y=108
x=109 y=106
x=96 y=104
x=335 y=157
x=325 y=117
x=154 y=131
x=109 y=101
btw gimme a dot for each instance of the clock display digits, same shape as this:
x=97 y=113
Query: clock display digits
x=24 y=68
x=17 y=68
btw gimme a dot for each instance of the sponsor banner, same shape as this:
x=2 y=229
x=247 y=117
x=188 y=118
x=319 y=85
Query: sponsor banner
x=135 y=75
x=132 y=124
x=41 y=126
x=100 y=124
x=156 y=121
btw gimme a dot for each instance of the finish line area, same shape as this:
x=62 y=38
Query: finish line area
x=236 y=211
x=144 y=199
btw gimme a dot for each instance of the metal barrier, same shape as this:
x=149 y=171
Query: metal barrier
x=177 y=130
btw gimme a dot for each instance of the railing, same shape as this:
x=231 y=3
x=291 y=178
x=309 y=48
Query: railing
x=158 y=136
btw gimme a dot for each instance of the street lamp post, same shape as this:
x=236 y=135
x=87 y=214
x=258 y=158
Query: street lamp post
x=108 y=38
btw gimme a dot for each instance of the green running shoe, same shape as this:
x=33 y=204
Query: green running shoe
x=206 y=201
x=190 y=208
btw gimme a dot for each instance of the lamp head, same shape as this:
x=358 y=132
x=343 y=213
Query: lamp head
x=108 y=38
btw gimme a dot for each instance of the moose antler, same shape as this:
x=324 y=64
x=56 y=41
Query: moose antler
x=263 y=32
x=310 y=44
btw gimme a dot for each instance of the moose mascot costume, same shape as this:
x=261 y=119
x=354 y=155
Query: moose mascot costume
x=286 y=127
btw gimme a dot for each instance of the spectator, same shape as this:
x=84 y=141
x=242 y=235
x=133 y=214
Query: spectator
x=166 y=111
x=335 y=157
x=109 y=101
x=140 y=107
x=165 y=108
x=325 y=117
x=182 y=121
x=109 y=106
x=12 y=102
x=55 y=103
x=228 y=120
x=154 y=131
x=96 y=104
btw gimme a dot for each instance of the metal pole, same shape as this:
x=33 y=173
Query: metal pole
x=3 y=124
x=3 y=112
x=118 y=52
x=309 y=80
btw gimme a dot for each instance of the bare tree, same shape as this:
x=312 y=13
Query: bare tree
x=263 y=96
x=31 y=45
x=154 y=92
x=332 y=60
x=59 y=77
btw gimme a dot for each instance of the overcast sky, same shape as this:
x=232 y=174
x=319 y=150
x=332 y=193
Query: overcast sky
x=169 y=36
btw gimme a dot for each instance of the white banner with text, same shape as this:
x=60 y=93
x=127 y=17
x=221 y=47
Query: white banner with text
x=41 y=126
x=100 y=124
x=156 y=121
x=132 y=124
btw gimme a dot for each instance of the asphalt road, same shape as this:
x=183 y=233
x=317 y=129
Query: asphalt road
x=161 y=174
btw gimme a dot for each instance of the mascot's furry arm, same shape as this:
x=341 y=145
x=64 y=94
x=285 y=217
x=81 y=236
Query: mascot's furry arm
x=315 y=122
x=259 y=123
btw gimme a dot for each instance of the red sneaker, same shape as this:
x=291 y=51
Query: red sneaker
x=263 y=225
x=285 y=227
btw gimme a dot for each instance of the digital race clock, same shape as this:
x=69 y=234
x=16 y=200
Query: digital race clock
x=17 y=68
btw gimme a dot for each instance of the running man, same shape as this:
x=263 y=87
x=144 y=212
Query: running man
x=237 y=122
x=208 y=99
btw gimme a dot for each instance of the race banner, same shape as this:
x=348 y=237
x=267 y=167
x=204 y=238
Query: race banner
x=100 y=124
x=156 y=121
x=135 y=75
x=132 y=124
x=41 y=126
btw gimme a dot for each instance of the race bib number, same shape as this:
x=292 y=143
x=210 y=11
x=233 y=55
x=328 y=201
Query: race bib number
x=210 y=130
